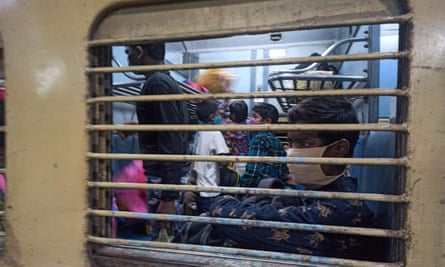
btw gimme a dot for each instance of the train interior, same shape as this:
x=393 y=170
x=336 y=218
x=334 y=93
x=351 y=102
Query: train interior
x=340 y=75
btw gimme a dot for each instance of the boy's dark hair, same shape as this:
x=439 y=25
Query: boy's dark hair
x=205 y=108
x=238 y=111
x=327 y=110
x=266 y=111
x=155 y=50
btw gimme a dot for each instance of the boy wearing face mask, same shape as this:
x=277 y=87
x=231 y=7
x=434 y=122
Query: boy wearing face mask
x=327 y=178
x=264 y=144
x=206 y=143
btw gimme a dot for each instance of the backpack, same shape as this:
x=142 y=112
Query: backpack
x=228 y=176
x=199 y=234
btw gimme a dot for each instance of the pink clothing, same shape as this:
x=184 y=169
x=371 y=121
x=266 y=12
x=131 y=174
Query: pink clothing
x=134 y=200
x=3 y=184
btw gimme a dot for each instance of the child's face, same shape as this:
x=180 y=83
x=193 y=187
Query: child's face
x=256 y=118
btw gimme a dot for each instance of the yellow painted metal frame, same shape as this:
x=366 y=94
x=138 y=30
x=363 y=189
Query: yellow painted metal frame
x=45 y=45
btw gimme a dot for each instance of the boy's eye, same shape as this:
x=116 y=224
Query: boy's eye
x=304 y=144
x=299 y=143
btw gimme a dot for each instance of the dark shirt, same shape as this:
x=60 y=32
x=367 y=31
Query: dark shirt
x=163 y=142
x=313 y=211
x=264 y=144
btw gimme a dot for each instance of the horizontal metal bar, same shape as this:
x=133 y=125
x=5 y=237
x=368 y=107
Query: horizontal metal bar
x=200 y=35
x=275 y=94
x=2 y=84
x=2 y=213
x=2 y=170
x=250 y=63
x=255 y=191
x=401 y=234
x=295 y=75
x=249 y=127
x=232 y=253
x=303 y=160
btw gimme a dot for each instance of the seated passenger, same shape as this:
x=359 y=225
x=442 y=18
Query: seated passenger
x=330 y=178
x=264 y=144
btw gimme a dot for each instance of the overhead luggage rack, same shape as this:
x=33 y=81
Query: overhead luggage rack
x=314 y=76
x=294 y=80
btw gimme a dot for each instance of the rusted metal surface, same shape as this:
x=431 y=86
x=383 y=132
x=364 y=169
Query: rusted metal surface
x=201 y=19
x=426 y=146
x=229 y=256
x=124 y=256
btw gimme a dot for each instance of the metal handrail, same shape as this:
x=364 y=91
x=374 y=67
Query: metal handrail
x=325 y=53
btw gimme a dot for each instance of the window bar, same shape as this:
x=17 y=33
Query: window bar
x=254 y=223
x=287 y=93
x=250 y=63
x=252 y=127
x=257 y=191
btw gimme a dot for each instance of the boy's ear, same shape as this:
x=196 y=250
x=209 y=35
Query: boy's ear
x=211 y=117
x=268 y=120
x=139 y=51
x=341 y=148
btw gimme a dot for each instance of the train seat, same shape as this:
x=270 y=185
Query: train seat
x=377 y=179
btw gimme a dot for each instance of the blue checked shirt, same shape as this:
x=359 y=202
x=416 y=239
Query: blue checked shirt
x=264 y=144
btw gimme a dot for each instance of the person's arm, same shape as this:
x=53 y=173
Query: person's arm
x=254 y=170
x=329 y=212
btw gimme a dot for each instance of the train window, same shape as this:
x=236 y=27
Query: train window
x=276 y=56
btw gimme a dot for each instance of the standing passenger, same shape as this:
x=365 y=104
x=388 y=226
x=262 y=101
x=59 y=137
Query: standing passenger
x=238 y=141
x=207 y=143
x=264 y=144
x=218 y=81
x=161 y=112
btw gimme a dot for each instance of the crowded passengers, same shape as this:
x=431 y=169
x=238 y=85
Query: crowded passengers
x=314 y=177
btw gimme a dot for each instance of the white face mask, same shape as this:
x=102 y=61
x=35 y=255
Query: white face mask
x=309 y=175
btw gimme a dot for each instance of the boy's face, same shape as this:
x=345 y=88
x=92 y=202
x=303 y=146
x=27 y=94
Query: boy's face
x=214 y=116
x=256 y=118
x=310 y=139
x=303 y=139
